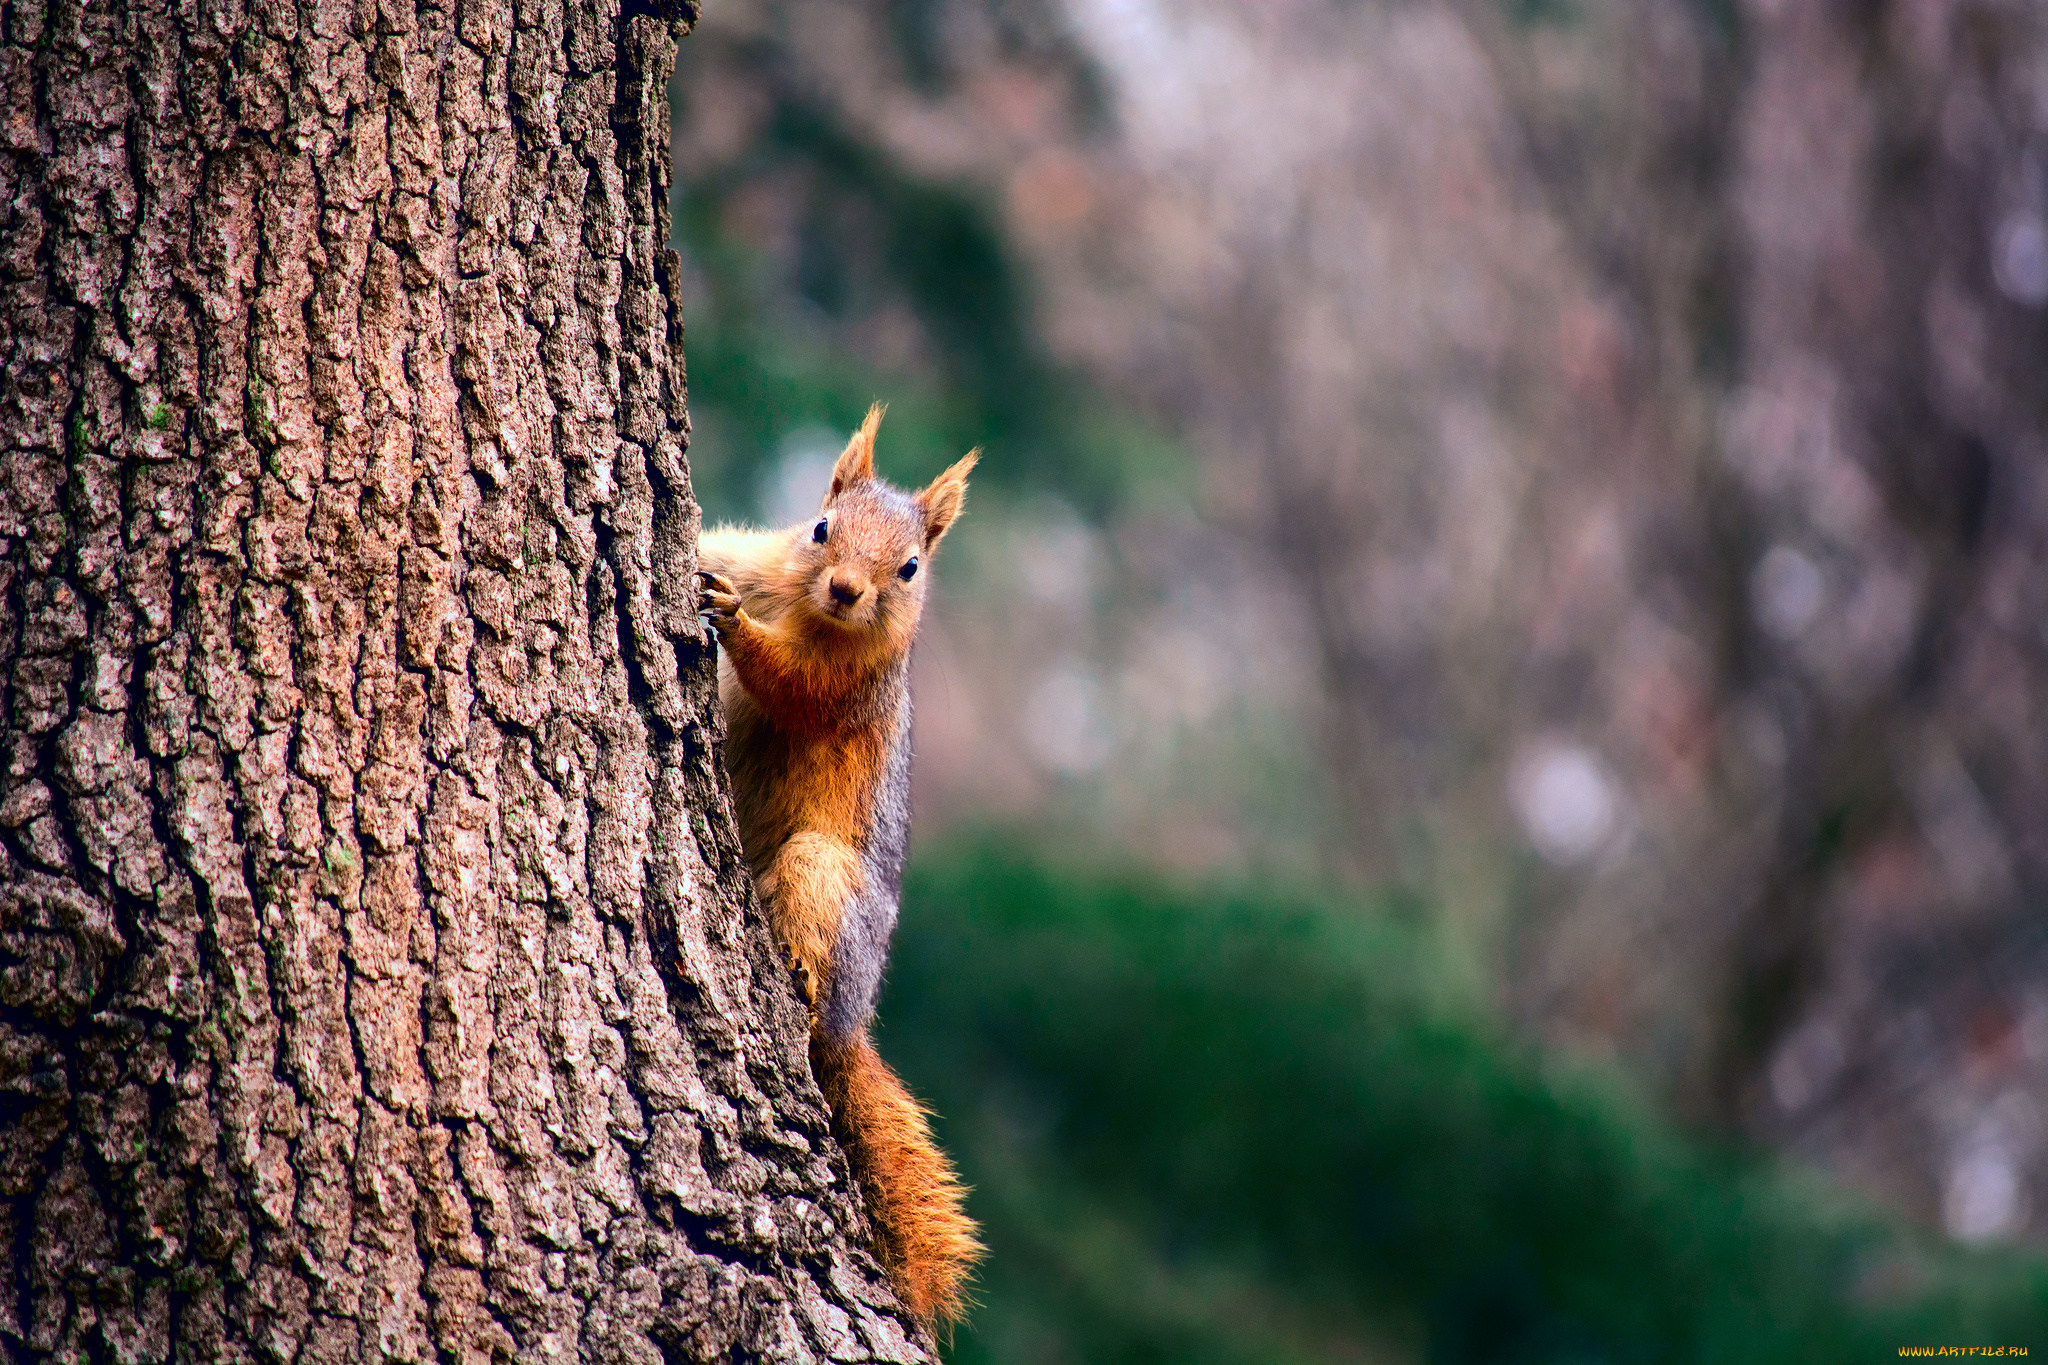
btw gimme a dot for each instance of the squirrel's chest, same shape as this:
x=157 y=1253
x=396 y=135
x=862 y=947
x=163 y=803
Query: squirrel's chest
x=786 y=782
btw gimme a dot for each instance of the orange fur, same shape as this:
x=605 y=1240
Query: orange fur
x=923 y=1233
x=811 y=877
x=813 y=687
x=946 y=498
x=856 y=463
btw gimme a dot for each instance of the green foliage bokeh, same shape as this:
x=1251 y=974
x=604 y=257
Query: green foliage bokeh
x=1238 y=1128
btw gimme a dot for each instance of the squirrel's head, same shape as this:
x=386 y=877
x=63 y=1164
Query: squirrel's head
x=866 y=551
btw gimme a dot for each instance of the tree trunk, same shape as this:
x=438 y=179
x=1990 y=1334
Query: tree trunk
x=379 y=975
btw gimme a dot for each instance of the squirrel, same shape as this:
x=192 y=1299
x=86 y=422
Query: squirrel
x=817 y=621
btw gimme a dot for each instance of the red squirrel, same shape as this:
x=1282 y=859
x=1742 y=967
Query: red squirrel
x=817 y=621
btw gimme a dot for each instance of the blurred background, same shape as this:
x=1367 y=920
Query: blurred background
x=1482 y=783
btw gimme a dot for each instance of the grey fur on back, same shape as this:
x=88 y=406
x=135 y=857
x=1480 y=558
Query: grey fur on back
x=867 y=924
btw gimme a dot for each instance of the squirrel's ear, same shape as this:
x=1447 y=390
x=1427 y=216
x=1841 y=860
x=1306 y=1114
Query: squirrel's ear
x=941 y=503
x=856 y=463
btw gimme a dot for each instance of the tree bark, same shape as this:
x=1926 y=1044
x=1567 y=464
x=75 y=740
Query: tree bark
x=379 y=974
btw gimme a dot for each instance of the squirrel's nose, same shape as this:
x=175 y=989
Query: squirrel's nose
x=846 y=591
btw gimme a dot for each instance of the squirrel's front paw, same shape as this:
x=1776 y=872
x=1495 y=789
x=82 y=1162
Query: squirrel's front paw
x=721 y=601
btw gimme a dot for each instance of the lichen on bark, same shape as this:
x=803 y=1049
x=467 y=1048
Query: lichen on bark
x=379 y=975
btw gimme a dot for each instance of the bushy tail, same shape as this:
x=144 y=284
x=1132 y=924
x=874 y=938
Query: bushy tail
x=922 y=1233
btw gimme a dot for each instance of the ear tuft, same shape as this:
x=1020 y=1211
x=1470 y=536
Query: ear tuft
x=856 y=463
x=944 y=500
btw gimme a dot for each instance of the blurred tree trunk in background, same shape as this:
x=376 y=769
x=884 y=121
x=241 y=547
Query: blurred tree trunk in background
x=1827 y=220
x=1644 y=403
x=1887 y=433
x=378 y=972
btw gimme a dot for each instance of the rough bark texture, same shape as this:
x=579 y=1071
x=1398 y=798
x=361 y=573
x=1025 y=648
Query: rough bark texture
x=379 y=976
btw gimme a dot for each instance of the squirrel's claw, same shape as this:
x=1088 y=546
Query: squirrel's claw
x=805 y=987
x=721 y=601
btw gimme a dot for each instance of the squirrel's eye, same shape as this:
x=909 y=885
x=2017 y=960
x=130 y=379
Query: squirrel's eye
x=821 y=530
x=909 y=569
